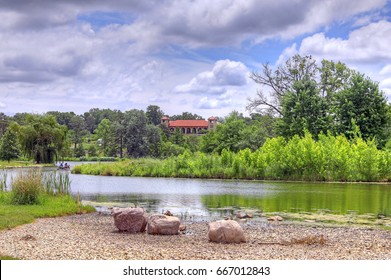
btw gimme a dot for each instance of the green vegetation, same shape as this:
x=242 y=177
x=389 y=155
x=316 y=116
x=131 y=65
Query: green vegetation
x=300 y=158
x=345 y=112
x=35 y=195
x=12 y=215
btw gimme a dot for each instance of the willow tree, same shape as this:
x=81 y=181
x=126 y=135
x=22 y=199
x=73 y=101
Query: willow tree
x=42 y=138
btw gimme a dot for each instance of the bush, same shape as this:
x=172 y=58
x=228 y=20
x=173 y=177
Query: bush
x=27 y=187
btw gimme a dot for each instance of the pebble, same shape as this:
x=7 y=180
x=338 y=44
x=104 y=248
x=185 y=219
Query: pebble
x=94 y=236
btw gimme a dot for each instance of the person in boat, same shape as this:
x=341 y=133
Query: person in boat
x=61 y=165
x=66 y=166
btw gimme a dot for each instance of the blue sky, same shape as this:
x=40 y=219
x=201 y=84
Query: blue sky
x=191 y=56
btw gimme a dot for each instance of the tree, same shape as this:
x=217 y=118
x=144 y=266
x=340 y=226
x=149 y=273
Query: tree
x=154 y=114
x=364 y=105
x=280 y=81
x=105 y=133
x=186 y=116
x=76 y=125
x=136 y=142
x=303 y=110
x=9 y=146
x=42 y=138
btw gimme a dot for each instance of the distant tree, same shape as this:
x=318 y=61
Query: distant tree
x=9 y=145
x=136 y=143
x=77 y=127
x=154 y=114
x=186 y=116
x=92 y=151
x=42 y=138
x=4 y=121
x=79 y=151
x=105 y=133
x=63 y=118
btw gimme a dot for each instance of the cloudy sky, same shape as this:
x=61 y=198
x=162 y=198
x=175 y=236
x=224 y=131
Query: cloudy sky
x=196 y=55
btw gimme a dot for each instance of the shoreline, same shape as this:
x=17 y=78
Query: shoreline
x=94 y=236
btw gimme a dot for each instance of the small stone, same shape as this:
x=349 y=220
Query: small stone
x=275 y=218
x=182 y=227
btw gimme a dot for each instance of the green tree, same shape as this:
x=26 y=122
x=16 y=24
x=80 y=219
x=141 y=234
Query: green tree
x=9 y=146
x=364 y=105
x=279 y=82
x=42 y=138
x=105 y=133
x=186 y=116
x=154 y=114
x=303 y=110
x=136 y=143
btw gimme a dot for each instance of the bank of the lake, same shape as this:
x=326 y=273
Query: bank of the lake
x=94 y=236
x=302 y=159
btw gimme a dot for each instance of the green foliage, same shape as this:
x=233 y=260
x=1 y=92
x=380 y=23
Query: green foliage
x=79 y=151
x=9 y=145
x=304 y=110
x=364 y=105
x=299 y=158
x=154 y=114
x=41 y=137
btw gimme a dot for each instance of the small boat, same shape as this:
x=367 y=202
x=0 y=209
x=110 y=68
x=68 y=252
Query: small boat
x=68 y=167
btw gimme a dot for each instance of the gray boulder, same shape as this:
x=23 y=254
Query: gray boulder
x=130 y=219
x=163 y=225
x=226 y=231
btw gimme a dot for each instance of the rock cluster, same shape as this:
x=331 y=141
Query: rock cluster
x=135 y=220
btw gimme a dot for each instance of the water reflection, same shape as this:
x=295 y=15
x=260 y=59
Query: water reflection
x=205 y=198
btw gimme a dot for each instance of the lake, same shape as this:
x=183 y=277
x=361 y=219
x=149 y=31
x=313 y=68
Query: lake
x=207 y=198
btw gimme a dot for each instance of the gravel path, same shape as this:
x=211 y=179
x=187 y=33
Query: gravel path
x=94 y=236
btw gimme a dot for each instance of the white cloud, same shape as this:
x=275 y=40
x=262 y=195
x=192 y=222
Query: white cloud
x=225 y=73
x=52 y=54
x=367 y=44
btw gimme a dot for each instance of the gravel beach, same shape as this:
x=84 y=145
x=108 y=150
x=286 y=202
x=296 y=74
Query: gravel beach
x=94 y=236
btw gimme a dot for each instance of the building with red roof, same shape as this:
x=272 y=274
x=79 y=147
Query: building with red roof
x=190 y=126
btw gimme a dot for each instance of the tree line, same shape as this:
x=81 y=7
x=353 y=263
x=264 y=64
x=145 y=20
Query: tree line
x=295 y=99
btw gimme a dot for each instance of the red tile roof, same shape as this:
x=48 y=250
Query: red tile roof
x=188 y=123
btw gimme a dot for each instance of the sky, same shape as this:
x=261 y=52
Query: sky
x=182 y=55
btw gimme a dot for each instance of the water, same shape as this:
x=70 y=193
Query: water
x=207 y=198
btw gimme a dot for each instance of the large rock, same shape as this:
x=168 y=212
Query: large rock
x=162 y=224
x=226 y=232
x=130 y=219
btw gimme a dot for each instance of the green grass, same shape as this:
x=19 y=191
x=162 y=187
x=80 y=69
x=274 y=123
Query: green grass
x=50 y=206
x=19 y=163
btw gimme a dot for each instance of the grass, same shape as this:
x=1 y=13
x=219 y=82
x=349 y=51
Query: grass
x=20 y=163
x=12 y=215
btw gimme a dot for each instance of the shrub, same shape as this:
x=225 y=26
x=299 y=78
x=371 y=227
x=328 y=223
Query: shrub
x=27 y=187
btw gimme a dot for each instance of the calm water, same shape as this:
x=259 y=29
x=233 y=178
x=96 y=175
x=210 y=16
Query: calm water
x=221 y=197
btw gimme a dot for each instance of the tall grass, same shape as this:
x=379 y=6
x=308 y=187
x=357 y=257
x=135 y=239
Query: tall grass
x=3 y=180
x=30 y=186
x=56 y=183
x=27 y=187
x=331 y=158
